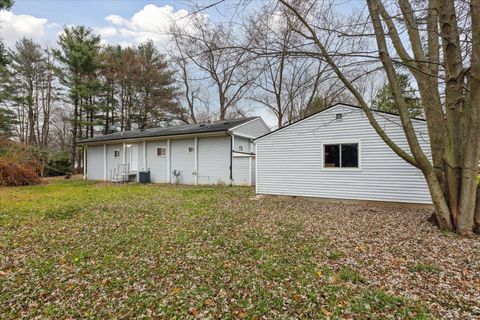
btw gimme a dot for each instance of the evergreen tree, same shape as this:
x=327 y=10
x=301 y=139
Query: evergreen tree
x=155 y=88
x=7 y=122
x=28 y=66
x=384 y=99
x=4 y=5
x=78 y=54
x=7 y=117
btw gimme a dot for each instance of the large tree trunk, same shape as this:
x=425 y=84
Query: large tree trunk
x=469 y=132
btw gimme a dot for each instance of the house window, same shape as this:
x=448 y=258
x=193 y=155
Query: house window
x=339 y=116
x=161 y=152
x=116 y=153
x=240 y=148
x=191 y=149
x=344 y=155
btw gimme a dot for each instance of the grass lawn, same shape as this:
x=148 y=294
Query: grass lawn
x=78 y=249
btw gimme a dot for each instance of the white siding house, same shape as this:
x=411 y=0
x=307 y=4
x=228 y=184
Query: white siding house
x=337 y=154
x=220 y=152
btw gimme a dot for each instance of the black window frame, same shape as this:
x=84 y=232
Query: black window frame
x=340 y=160
x=115 y=153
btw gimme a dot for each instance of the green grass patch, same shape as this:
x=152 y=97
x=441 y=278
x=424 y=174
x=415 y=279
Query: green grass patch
x=81 y=249
x=425 y=267
x=378 y=304
x=334 y=254
x=347 y=273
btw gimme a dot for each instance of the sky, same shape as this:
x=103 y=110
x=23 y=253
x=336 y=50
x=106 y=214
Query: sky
x=117 y=21
x=124 y=22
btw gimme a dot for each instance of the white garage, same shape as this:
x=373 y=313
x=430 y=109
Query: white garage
x=337 y=154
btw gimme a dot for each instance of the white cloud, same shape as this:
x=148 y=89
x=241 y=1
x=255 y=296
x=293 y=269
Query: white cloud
x=106 y=32
x=150 y=23
x=13 y=27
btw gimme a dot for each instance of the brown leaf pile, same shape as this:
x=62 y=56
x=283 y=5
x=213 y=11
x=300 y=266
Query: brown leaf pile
x=397 y=250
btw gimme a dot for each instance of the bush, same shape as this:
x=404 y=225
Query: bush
x=21 y=163
x=57 y=164
x=17 y=174
x=18 y=166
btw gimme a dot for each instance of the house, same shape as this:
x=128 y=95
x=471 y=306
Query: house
x=337 y=154
x=211 y=153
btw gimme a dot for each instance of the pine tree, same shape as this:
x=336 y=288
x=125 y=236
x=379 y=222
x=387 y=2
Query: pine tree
x=384 y=99
x=78 y=54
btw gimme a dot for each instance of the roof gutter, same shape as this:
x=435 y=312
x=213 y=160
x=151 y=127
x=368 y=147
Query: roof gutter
x=139 y=139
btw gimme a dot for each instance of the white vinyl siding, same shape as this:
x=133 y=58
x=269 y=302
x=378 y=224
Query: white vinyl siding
x=157 y=165
x=140 y=156
x=253 y=129
x=95 y=162
x=112 y=162
x=240 y=141
x=183 y=160
x=214 y=160
x=289 y=161
x=253 y=173
x=241 y=170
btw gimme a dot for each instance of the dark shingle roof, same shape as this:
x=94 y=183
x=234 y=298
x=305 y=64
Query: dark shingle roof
x=219 y=126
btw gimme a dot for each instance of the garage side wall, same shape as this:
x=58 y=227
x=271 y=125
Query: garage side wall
x=290 y=161
x=95 y=162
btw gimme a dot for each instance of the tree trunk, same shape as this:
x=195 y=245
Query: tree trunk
x=477 y=210
x=31 y=115
x=73 y=148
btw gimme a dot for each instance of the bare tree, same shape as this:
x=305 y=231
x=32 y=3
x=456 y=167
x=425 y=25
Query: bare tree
x=444 y=61
x=192 y=103
x=215 y=50
x=293 y=81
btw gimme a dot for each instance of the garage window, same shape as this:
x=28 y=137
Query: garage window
x=161 y=152
x=116 y=153
x=341 y=155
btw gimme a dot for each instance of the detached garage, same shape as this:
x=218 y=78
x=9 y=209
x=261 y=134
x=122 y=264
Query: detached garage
x=337 y=154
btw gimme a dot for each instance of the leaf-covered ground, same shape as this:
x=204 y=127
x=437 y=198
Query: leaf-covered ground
x=91 y=250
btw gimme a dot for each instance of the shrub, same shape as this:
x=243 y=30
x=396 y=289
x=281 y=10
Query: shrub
x=18 y=166
x=17 y=174
x=23 y=165
x=57 y=164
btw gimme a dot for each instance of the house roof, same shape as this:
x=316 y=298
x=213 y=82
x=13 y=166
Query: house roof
x=330 y=107
x=185 y=129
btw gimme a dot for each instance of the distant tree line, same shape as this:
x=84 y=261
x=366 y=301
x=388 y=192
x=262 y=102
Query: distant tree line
x=51 y=97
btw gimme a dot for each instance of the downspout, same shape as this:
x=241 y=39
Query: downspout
x=85 y=162
x=231 y=156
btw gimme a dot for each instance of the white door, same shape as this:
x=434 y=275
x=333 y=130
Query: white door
x=134 y=157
